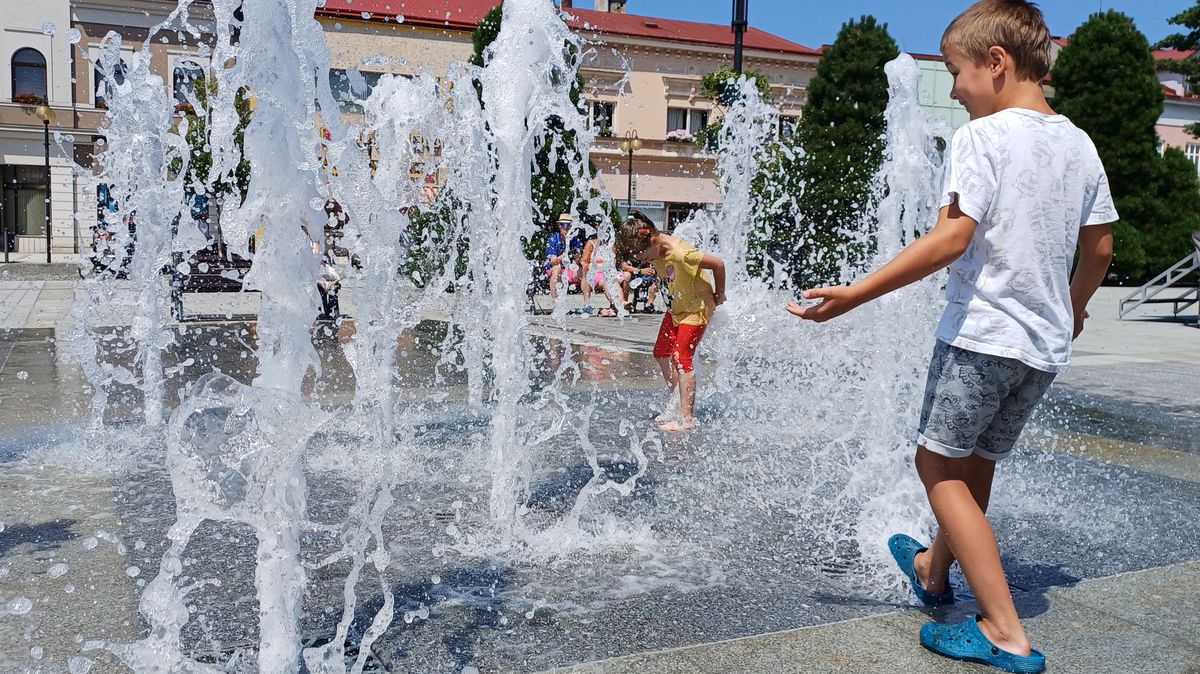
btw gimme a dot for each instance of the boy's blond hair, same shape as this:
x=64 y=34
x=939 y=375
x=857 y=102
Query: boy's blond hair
x=1015 y=25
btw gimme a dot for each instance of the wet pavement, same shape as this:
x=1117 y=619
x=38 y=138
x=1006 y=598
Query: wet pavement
x=1105 y=484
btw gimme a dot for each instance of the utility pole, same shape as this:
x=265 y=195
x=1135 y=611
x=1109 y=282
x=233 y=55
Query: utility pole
x=740 y=22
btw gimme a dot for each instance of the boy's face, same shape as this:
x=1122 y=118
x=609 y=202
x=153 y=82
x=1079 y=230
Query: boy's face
x=974 y=83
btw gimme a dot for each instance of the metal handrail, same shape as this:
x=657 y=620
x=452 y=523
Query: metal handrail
x=1164 y=280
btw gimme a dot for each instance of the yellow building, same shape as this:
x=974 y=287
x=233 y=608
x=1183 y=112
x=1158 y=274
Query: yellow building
x=643 y=76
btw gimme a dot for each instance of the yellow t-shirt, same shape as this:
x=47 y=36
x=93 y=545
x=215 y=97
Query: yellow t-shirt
x=692 y=300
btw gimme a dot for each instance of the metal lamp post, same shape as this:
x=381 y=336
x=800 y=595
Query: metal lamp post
x=740 y=22
x=46 y=114
x=630 y=145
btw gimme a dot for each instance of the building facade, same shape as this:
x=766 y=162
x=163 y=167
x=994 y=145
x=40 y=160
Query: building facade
x=642 y=76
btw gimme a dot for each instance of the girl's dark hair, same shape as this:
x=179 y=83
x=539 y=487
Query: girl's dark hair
x=633 y=236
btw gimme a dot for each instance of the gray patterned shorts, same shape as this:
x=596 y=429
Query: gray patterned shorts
x=976 y=403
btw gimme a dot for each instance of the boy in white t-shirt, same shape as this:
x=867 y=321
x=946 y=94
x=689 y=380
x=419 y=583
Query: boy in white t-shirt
x=1023 y=188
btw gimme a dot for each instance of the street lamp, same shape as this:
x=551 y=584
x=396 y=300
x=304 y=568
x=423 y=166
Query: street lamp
x=46 y=114
x=630 y=145
x=740 y=22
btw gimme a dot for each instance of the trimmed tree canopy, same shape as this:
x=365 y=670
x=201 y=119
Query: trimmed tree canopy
x=841 y=134
x=1105 y=81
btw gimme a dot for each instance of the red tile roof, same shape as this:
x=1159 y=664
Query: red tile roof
x=466 y=14
x=674 y=30
x=455 y=14
x=1172 y=54
x=1159 y=54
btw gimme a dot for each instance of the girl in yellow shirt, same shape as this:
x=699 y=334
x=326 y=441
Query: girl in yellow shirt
x=692 y=300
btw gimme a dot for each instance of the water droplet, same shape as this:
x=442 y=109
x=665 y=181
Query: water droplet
x=133 y=572
x=73 y=36
x=79 y=665
x=90 y=543
x=22 y=375
x=48 y=28
x=399 y=18
x=366 y=15
x=36 y=652
x=68 y=588
x=19 y=606
x=57 y=570
x=437 y=580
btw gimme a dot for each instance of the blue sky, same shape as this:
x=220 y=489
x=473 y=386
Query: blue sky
x=915 y=24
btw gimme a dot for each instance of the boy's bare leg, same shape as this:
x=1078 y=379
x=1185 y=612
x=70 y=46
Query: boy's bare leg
x=973 y=544
x=555 y=273
x=933 y=565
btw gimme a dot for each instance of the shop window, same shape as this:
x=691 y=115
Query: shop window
x=24 y=195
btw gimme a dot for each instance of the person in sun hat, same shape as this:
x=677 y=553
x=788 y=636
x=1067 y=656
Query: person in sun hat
x=560 y=260
x=1024 y=191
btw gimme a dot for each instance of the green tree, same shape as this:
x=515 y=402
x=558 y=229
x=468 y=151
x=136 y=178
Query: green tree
x=197 y=178
x=553 y=186
x=1105 y=81
x=1190 y=41
x=841 y=133
x=718 y=86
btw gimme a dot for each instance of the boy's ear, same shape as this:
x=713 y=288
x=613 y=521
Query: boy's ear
x=998 y=61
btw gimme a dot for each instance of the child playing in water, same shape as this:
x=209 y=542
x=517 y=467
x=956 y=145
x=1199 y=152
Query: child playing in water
x=1024 y=187
x=692 y=302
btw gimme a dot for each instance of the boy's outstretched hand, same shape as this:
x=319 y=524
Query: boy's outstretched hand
x=836 y=300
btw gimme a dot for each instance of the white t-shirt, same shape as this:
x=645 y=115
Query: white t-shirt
x=1030 y=180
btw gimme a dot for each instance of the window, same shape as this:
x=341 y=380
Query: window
x=105 y=87
x=28 y=76
x=686 y=121
x=24 y=206
x=183 y=81
x=601 y=115
x=351 y=84
x=787 y=126
x=1192 y=151
x=677 y=119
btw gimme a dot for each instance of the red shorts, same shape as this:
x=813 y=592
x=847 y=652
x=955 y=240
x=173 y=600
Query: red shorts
x=678 y=342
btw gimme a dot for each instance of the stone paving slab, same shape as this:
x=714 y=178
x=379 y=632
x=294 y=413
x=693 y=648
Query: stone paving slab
x=1127 y=624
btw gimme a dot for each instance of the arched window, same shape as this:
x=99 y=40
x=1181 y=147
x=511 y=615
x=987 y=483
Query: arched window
x=104 y=87
x=186 y=74
x=29 y=75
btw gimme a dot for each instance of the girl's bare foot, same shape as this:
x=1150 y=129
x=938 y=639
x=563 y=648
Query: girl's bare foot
x=684 y=425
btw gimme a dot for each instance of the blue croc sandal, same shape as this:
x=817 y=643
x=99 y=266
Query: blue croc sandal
x=904 y=549
x=964 y=641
